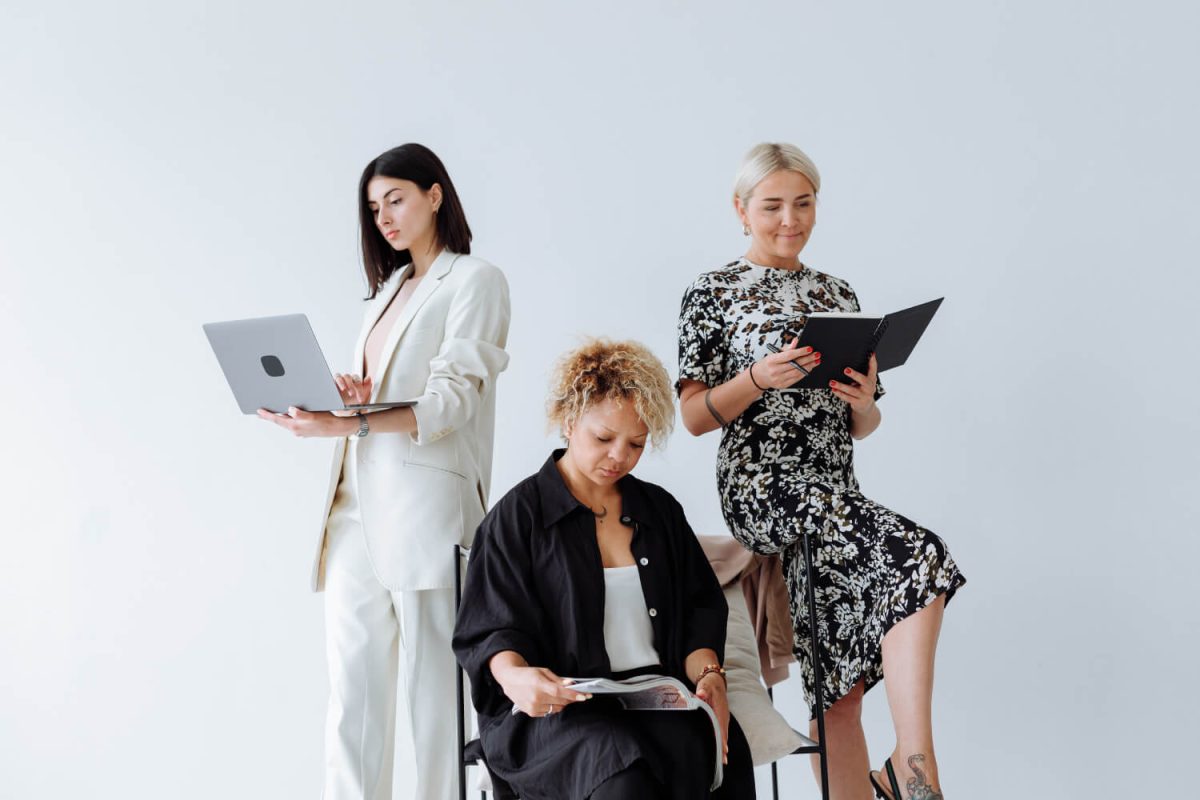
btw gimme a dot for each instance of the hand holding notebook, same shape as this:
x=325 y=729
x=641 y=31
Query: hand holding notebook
x=848 y=339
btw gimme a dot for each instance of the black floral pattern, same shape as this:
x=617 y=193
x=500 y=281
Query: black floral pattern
x=786 y=466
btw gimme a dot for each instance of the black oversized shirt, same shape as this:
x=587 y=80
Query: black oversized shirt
x=535 y=584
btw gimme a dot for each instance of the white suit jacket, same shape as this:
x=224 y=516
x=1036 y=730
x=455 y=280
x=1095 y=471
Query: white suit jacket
x=418 y=494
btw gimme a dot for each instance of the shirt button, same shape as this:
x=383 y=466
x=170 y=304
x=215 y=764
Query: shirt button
x=625 y=520
x=653 y=613
x=644 y=561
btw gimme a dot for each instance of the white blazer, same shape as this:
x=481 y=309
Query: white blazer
x=420 y=493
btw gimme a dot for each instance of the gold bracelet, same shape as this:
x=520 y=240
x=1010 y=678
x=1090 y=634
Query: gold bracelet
x=717 y=668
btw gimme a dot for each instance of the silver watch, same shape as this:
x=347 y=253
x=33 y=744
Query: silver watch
x=363 y=429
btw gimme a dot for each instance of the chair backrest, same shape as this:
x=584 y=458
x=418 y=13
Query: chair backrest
x=500 y=789
x=461 y=554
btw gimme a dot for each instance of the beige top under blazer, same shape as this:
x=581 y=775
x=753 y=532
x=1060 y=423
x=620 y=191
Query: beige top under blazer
x=418 y=494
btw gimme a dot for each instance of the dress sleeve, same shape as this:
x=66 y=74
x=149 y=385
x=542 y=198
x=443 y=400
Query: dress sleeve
x=498 y=610
x=703 y=339
x=707 y=613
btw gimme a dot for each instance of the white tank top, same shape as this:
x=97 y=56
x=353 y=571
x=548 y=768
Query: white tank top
x=628 y=637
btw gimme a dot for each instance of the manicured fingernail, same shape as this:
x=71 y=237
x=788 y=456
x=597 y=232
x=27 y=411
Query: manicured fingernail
x=833 y=384
x=808 y=350
x=847 y=370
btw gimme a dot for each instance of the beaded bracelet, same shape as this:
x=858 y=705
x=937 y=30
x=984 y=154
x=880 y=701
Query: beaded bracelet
x=717 y=668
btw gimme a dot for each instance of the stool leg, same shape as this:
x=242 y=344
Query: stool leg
x=818 y=671
x=774 y=764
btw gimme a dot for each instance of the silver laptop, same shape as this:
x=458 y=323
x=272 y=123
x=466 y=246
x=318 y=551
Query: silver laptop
x=275 y=363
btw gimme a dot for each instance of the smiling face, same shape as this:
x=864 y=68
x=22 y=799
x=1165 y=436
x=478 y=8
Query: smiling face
x=780 y=213
x=404 y=213
x=605 y=443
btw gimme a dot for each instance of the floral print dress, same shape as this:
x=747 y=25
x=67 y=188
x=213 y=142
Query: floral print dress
x=785 y=467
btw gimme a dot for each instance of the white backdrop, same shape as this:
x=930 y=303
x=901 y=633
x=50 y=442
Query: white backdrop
x=164 y=165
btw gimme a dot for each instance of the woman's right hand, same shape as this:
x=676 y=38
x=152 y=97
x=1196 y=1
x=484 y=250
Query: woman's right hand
x=776 y=370
x=536 y=690
x=355 y=391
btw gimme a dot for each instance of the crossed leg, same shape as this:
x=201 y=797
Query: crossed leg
x=908 y=655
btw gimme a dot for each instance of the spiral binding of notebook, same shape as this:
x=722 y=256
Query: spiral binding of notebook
x=874 y=345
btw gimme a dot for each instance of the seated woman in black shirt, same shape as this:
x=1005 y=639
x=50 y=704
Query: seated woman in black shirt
x=583 y=570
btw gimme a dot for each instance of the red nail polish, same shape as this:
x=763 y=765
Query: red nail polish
x=847 y=370
x=833 y=384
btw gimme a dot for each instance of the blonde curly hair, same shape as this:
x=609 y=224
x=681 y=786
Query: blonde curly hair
x=601 y=370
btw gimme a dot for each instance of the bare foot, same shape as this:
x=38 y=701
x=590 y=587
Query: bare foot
x=913 y=777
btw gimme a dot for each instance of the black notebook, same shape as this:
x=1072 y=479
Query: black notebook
x=848 y=339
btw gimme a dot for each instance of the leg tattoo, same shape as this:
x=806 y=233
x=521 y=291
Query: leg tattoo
x=918 y=789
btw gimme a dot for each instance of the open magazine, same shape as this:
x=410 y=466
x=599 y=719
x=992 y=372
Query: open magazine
x=656 y=693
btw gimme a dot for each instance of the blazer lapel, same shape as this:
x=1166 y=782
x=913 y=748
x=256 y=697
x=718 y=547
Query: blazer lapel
x=374 y=312
x=429 y=284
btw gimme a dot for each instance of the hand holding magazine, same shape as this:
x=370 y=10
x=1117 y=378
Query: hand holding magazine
x=656 y=693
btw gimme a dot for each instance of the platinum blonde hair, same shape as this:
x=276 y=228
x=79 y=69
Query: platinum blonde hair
x=602 y=370
x=770 y=157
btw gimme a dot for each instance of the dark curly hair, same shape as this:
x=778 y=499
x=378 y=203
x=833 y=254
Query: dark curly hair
x=605 y=370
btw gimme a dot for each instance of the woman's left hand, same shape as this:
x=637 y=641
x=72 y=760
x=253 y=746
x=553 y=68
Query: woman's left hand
x=711 y=689
x=311 y=423
x=860 y=396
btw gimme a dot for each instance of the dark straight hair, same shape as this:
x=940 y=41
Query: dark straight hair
x=416 y=163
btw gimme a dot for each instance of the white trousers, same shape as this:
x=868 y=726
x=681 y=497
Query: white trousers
x=384 y=647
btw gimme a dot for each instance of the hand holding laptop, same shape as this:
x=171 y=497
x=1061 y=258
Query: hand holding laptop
x=306 y=424
x=354 y=391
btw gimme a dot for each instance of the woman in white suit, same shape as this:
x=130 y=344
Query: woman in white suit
x=406 y=482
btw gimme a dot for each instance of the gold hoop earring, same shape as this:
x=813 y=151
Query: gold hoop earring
x=745 y=230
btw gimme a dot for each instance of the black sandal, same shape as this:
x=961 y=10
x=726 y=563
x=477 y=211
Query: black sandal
x=879 y=790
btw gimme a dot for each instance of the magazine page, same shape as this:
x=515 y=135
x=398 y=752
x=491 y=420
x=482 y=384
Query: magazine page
x=646 y=692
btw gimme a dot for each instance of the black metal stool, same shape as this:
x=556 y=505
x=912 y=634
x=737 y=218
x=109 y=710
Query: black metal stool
x=810 y=747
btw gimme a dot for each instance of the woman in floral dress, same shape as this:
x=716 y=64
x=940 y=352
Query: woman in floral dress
x=785 y=469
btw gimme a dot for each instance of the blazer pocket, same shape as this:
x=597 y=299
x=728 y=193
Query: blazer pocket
x=435 y=468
